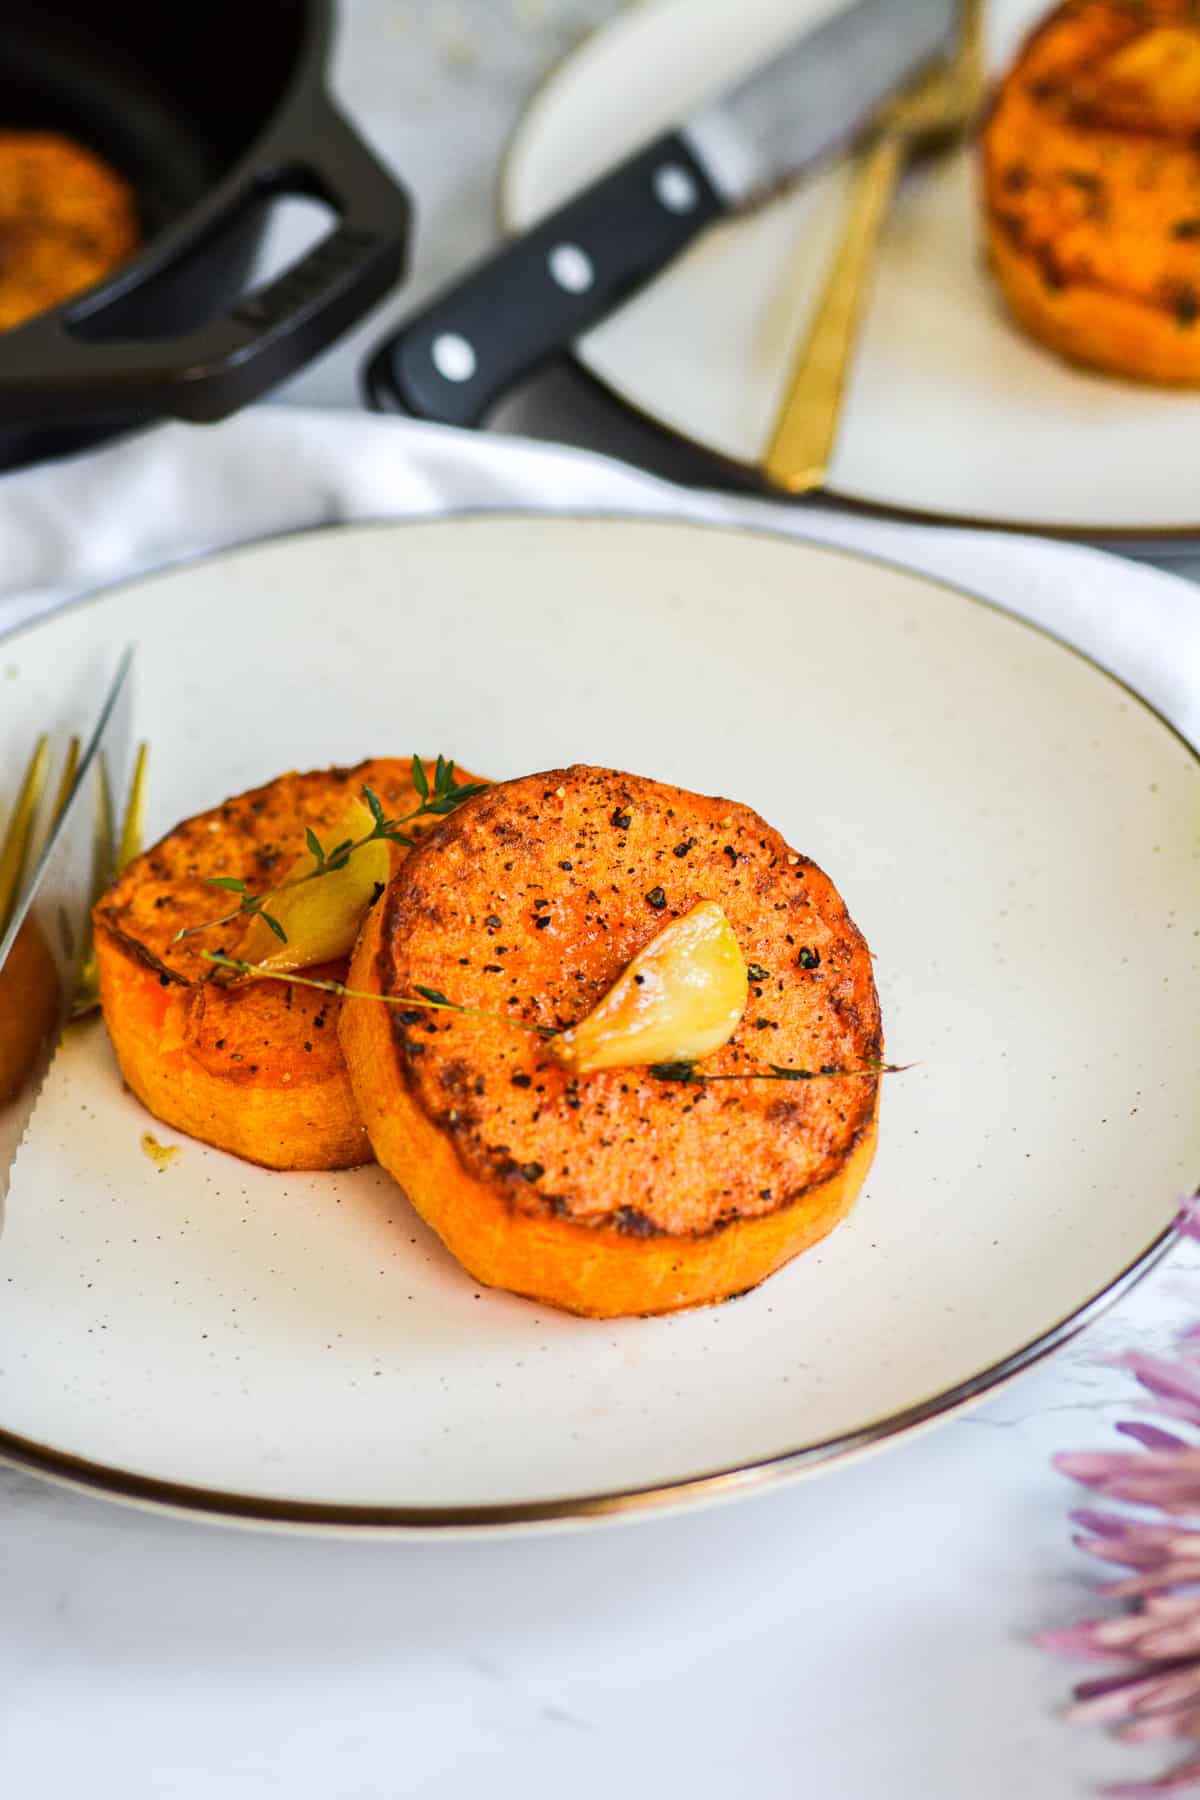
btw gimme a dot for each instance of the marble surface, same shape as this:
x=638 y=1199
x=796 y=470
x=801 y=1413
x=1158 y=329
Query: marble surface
x=860 y=1634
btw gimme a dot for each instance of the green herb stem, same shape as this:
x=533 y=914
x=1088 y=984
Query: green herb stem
x=430 y=999
x=688 y=1073
x=427 y=998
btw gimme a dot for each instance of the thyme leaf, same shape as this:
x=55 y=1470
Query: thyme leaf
x=674 y=1071
x=372 y=800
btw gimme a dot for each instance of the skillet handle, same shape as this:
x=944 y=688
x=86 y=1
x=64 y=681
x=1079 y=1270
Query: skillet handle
x=59 y=367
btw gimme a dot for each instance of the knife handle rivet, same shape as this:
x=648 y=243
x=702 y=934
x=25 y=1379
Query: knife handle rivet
x=571 y=268
x=453 y=357
x=675 y=188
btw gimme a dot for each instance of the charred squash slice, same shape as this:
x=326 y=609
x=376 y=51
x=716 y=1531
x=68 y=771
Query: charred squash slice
x=619 y=1191
x=1091 y=183
x=67 y=219
x=251 y=1067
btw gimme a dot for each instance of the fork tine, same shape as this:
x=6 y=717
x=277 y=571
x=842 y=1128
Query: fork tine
x=65 y=780
x=111 y=856
x=104 y=843
x=104 y=855
x=135 y=807
x=14 y=851
x=972 y=50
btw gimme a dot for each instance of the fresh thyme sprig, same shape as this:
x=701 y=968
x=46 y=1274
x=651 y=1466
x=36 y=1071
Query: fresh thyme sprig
x=421 y=997
x=688 y=1073
x=437 y=1002
x=444 y=797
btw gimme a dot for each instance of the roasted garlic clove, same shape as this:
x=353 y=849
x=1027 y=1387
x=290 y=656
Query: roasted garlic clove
x=321 y=917
x=680 y=998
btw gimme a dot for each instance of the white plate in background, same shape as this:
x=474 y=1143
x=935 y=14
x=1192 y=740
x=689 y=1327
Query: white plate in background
x=952 y=411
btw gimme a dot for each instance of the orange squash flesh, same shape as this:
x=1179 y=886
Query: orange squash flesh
x=614 y=1192
x=67 y=219
x=255 y=1067
x=1091 y=186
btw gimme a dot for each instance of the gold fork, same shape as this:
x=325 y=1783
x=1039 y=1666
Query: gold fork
x=17 y=845
x=934 y=111
x=110 y=852
x=18 y=838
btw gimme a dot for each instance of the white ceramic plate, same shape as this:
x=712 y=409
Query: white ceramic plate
x=1014 y=832
x=951 y=410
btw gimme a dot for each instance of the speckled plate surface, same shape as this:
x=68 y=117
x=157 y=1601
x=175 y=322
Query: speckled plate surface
x=1015 y=833
x=951 y=410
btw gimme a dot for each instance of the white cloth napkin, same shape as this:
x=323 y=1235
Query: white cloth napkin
x=175 y=492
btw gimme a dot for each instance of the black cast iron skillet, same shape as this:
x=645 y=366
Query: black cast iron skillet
x=210 y=111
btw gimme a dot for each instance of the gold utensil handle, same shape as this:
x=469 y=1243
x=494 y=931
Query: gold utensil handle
x=111 y=856
x=805 y=430
x=132 y=825
x=14 y=851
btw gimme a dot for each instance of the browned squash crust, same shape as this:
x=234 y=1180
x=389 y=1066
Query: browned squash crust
x=254 y=1067
x=67 y=219
x=614 y=1192
x=1091 y=177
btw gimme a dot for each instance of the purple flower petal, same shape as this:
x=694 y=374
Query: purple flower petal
x=1140 y=1546
x=1101 y=1524
x=1169 y=1480
x=1113 y=1684
x=1166 y=1629
x=1173 y=1382
x=1135 y=1693
x=1153 y=1437
x=1135 y=1540
x=1155 y=1696
x=1167 y=1575
x=1084 y=1640
x=1172 y=1642
x=1161 y=1728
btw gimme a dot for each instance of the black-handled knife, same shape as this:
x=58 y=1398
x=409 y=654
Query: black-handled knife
x=544 y=288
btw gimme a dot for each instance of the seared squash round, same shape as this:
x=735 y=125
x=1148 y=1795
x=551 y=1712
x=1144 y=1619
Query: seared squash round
x=254 y=1067
x=621 y=1191
x=1091 y=180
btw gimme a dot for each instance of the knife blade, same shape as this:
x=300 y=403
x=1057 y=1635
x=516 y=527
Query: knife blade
x=545 y=287
x=43 y=940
